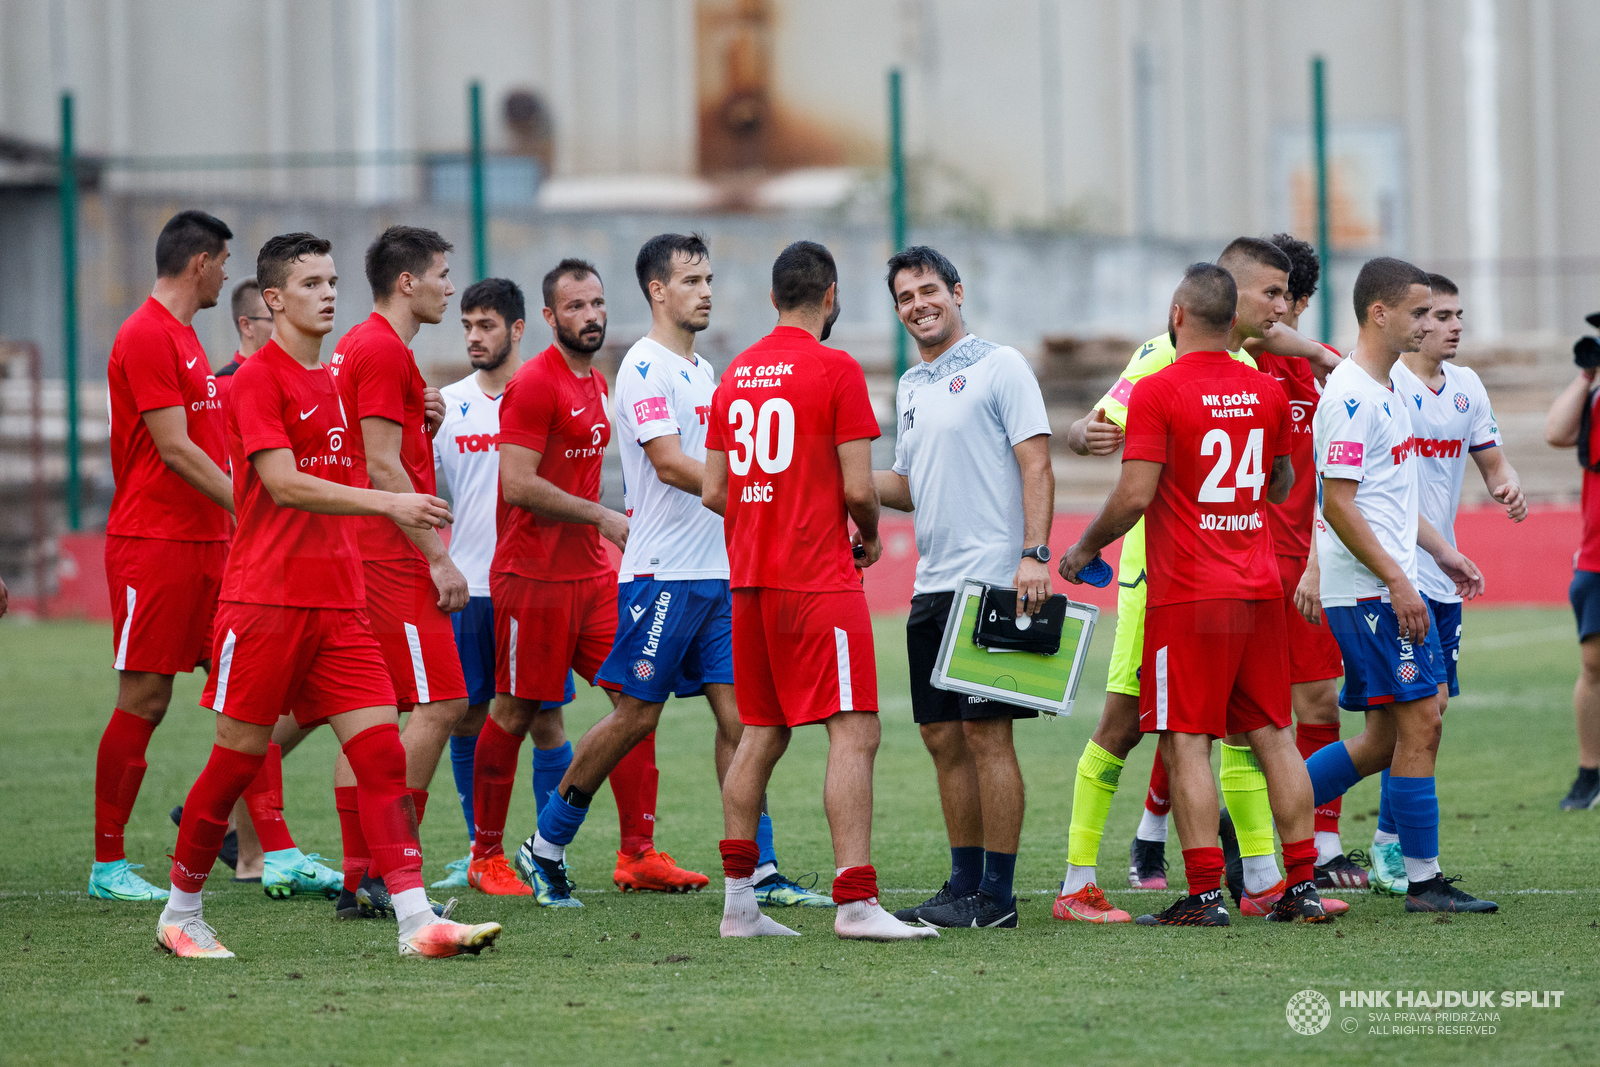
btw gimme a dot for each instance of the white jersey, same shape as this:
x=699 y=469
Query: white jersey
x=959 y=419
x=672 y=536
x=1362 y=432
x=1448 y=425
x=466 y=453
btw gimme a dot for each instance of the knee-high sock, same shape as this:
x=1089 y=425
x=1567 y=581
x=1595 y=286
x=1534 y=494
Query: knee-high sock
x=118 y=769
x=205 y=814
x=1096 y=784
x=388 y=811
x=264 y=799
x=549 y=767
x=1299 y=861
x=1202 y=868
x=494 y=775
x=462 y=751
x=1158 y=799
x=1309 y=738
x=634 y=782
x=1244 y=789
x=357 y=856
x=1415 y=807
x=1386 y=822
x=1332 y=772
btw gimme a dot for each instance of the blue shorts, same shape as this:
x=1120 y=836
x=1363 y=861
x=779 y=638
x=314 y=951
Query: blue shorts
x=474 y=626
x=1447 y=620
x=672 y=638
x=1381 y=667
x=1584 y=593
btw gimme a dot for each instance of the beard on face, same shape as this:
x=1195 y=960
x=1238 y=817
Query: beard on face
x=833 y=317
x=586 y=342
x=490 y=360
x=1172 y=332
x=693 y=327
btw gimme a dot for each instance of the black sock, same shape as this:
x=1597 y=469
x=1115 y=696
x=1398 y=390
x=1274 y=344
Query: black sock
x=1588 y=777
x=577 y=797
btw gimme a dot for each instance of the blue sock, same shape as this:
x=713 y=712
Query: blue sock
x=559 y=821
x=462 y=751
x=1415 y=807
x=769 y=854
x=966 y=869
x=998 y=868
x=1385 y=815
x=549 y=765
x=1332 y=772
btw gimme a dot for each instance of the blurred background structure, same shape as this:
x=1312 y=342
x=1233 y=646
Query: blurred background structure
x=1069 y=155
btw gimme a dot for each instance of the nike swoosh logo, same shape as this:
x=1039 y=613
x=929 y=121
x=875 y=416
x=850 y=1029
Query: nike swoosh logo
x=1372 y=623
x=192 y=362
x=578 y=411
x=304 y=415
x=636 y=612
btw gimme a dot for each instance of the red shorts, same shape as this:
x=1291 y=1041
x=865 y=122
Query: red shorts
x=1313 y=652
x=315 y=662
x=1214 y=667
x=542 y=629
x=417 y=640
x=801 y=657
x=163 y=598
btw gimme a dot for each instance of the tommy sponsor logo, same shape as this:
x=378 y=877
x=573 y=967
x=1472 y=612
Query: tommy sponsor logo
x=704 y=411
x=658 y=623
x=1436 y=448
x=477 y=442
x=1405 y=449
x=1345 y=453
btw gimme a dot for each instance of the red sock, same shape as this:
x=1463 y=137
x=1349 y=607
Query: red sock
x=118 y=769
x=1299 y=861
x=494 y=775
x=264 y=798
x=1158 y=800
x=205 y=814
x=1203 y=868
x=357 y=856
x=388 y=814
x=419 y=797
x=1308 y=738
x=739 y=857
x=634 y=781
x=855 y=883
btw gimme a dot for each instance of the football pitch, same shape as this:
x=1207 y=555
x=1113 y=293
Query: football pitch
x=643 y=979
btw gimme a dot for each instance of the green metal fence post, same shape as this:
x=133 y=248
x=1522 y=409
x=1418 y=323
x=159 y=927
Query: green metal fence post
x=480 y=238
x=897 y=202
x=68 y=182
x=1319 y=133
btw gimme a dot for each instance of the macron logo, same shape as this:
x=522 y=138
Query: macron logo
x=1350 y=407
x=1372 y=623
x=636 y=611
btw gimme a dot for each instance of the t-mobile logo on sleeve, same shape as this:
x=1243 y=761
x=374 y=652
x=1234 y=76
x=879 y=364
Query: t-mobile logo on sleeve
x=1345 y=453
x=651 y=409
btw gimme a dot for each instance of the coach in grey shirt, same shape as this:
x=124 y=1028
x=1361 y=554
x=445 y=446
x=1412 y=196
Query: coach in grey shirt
x=972 y=460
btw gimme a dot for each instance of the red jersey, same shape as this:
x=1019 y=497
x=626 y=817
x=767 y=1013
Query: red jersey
x=563 y=417
x=285 y=556
x=780 y=413
x=378 y=377
x=224 y=378
x=1216 y=425
x=1290 y=521
x=1589 y=542
x=157 y=362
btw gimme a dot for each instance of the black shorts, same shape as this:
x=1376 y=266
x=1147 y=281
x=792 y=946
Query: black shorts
x=1585 y=596
x=924 y=635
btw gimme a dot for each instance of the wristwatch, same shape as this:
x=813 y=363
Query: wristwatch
x=1038 y=552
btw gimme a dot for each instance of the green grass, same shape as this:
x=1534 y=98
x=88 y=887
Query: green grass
x=80 y=983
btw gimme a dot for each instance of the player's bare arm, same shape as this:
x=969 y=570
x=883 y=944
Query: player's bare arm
x=1308 y=594
x=1458 y=568
x=1501 y=479
x=1038 y=512
x=714 y=487
x=1566 y=414
x=1136 y=487
x=672 y=465
x=861 y=498
x=290 y=488
x=1282 y=479
x=382 y=440
x=894 y=490
x=1281 y=339
x=169 y=429
x=1340 y=512
x=1094 y=435
x=522 y=487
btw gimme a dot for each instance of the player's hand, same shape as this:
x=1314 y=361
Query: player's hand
x=420 y=510
x=1033 y=586
x=1515 y=503
x=1308 y=595
x=1075 y=560
x=871 y=551
x=1462 y=571
x=1411 y=614
x=1102 y=435
x=451 y=584
x=613 y=526
x=433 y=409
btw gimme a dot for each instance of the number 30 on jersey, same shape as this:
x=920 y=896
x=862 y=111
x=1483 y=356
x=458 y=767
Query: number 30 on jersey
x=765 y=437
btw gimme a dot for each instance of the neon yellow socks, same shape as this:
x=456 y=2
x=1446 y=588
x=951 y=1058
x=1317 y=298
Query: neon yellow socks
x=1096 y=784
x=1244 y=789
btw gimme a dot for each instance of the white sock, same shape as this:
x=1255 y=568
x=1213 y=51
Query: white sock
x=545 y=850
x=1152 y=827
x=864 y=920
x=742 y=917
x=1077 y=878
x=1260 y=873
x=410 y=902
x=1381 y=838
x=1328 y=846
x=763 y=872
x=180 y=907
x=1420 y=870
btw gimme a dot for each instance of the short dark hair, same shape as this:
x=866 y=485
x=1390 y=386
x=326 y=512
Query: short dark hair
x=1384 y=280
x=567 y=268
x=186 y=235
x=801 y=275
x=242 y=294
x=401 y=250
x=654 y=261
x=279 y=254
x=1305 y=269
x=1440 y=284
x=500 y=295
x=1209 y=292
x=920 y=258
x=1257 y=251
